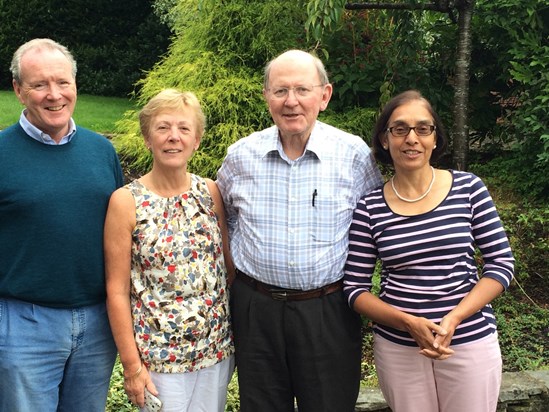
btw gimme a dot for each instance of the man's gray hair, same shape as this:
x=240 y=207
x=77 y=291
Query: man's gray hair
x=37 y=44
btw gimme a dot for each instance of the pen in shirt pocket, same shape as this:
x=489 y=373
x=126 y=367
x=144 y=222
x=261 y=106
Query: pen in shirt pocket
x=315 y=193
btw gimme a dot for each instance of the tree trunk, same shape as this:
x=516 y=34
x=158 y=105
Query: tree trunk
x=460 y=129
x=460 y=135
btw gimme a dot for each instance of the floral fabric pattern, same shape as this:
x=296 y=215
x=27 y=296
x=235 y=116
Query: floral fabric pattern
x=179 y=296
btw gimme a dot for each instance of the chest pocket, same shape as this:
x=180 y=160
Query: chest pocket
x=331 y=215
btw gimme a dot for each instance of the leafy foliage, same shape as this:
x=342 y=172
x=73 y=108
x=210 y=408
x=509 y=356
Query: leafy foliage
x=323 y=16
x=375 y=54
x=358 y=120
x=358 y=60
x=527 y=226
x=528 y=231
x=219 y=52
x=233 y=400
x=112 y=46
x=522 y=313
x=523 y=331
x=513 y=37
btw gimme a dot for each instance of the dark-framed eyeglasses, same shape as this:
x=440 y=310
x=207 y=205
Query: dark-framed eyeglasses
x=420 y=130
x=301 y=91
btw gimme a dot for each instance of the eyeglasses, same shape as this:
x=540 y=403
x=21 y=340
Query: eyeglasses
x=301 y=91
x=421 y=130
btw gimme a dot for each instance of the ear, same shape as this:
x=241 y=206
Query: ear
x=384 y=141
x=147 y=142
x=18 y=91
x=326 y=96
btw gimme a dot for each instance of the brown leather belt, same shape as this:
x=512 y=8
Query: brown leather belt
x=278 y=293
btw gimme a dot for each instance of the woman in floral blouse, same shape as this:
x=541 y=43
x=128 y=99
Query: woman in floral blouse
x=168 y=267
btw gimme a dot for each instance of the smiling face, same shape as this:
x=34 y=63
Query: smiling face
x=173 y=137
x=295 y=115
x=410 y=151
x=48 y=91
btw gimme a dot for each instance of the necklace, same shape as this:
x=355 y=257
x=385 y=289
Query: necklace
x=417 y=199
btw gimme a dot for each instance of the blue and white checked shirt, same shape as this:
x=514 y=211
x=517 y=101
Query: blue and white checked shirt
x=278 y=235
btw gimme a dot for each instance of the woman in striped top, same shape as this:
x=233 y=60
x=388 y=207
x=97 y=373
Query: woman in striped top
x=435 y=343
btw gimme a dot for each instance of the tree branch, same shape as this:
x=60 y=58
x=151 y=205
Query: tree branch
x=442 y=6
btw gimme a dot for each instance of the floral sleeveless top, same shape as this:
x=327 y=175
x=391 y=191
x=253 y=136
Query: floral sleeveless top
x=179 y=296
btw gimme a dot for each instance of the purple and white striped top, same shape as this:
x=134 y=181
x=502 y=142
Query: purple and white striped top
x=428 y=261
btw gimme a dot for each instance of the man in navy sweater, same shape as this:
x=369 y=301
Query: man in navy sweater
x=56 y=348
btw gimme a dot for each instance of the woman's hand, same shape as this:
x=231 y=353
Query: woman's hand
x=441 y=341
x=135 y=386
x=428 y=335
x=483 y=293
x=433 y=340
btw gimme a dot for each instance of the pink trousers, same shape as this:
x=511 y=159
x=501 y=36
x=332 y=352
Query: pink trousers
x=468 y=381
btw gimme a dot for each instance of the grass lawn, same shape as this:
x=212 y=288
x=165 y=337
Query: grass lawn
x=93 y=112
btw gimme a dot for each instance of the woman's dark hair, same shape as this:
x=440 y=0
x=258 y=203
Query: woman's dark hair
x=382 y=155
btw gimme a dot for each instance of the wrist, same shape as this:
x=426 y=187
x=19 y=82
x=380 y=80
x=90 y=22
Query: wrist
x=133 y=373
x=451 y=319
x=407 y=322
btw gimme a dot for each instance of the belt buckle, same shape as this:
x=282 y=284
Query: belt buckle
x=279 y=294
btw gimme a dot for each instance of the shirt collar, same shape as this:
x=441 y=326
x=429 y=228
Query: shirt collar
x=317 y=141
x=272 y=142
x=42 y=137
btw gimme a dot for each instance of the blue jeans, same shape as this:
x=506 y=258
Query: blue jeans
x=54 y=359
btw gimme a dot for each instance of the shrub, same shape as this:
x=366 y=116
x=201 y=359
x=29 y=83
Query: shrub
x=114 y=42
x=218 y=53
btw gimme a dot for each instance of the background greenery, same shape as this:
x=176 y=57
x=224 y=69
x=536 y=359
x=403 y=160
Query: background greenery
x=114 y=42
x=93 y=112
x=219 y=50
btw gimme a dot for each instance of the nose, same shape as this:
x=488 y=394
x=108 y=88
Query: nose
x=54 y=91
x=291 y=99
x=411 y=139
x=292 y=96
x=174 y=133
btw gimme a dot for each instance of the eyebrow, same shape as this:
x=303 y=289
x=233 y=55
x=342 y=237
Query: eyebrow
x=399 y=122
x=188 y=124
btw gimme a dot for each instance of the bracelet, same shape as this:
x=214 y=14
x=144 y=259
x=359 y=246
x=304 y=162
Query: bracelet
x=137 y=373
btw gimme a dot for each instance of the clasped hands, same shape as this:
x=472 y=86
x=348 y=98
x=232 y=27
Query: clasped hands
x=433 y=340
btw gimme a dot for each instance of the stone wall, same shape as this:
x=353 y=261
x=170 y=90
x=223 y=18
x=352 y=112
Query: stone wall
x=520 y=392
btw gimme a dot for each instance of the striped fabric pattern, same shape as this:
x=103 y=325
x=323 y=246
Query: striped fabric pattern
x=429 y=260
